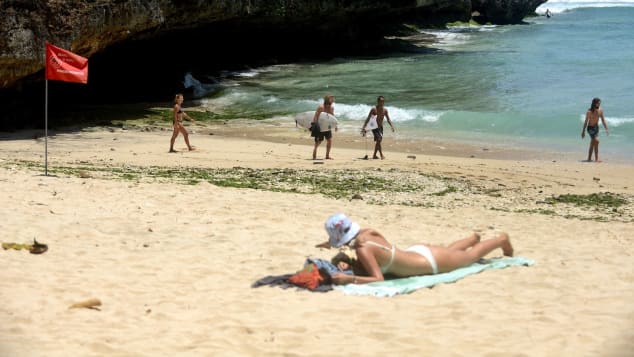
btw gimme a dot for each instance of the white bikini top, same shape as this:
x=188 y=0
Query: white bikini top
x=391 y=250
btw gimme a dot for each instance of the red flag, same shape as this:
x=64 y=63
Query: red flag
x=62 y=65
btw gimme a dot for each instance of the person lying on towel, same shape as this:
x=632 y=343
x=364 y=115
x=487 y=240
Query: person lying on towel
x=376 y=257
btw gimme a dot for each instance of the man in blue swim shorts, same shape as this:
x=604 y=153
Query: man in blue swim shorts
x=591 y=124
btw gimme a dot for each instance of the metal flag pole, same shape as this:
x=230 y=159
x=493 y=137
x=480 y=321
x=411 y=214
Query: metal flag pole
x=46 y=130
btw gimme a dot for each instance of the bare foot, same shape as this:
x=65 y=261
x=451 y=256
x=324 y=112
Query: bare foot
x=382 y=157
x=329 y=158
x=191 y=148
x=172 y=150
x=375 y=157
x=506 y=246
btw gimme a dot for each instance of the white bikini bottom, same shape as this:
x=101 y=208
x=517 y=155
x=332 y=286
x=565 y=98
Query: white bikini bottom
x=425 y=252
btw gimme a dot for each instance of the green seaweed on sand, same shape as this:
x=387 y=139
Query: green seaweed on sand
x=601 y=199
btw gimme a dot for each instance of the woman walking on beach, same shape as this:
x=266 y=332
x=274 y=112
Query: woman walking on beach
x=592 y=125
x=375 y=256
x=179 y=114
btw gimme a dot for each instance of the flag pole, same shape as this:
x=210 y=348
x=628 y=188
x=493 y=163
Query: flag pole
x=46 y=130
x=67 y=67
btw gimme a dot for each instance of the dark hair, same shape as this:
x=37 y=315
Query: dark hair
x=595 y=104
x=380 y=97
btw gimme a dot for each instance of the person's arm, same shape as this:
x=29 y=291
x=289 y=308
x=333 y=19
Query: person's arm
x=605 y=125
x=188 y=117
x=332 y=107
x=175 y=110
x=365 y=257
x=317 y=112
x=367 y=120
x=387 y=116
x=585 y=124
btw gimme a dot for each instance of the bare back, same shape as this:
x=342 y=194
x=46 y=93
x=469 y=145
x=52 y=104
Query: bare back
x=592 y=117
x=376 y=255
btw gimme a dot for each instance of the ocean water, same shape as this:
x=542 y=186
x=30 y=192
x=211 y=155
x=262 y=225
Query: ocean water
x=524 y=86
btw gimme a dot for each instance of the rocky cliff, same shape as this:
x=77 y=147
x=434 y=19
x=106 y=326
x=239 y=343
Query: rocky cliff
x=140 y=48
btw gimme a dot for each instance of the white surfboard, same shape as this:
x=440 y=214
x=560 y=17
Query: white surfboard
x=372 y=124
x=326 y=121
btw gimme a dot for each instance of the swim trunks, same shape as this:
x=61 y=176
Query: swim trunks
x=593 y=131
x=426 y=253
x=323 y=134
x=378 y=133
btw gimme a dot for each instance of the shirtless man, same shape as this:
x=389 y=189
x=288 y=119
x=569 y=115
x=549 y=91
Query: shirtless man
x=378 y=113
x=592 y=125
x=329 y=108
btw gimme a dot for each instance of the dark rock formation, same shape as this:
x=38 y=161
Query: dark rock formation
x=140 y=50
x=504 y=12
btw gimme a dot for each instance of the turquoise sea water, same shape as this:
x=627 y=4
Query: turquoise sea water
x=523 y=86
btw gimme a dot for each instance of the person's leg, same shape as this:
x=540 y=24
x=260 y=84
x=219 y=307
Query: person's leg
x=328 y=146
x=378 y=144
x=449 y=259
x=186 y=136
x=173 y=139
x=596 y=150
x=317 y=142
x=590 y=149
x=375 y=133
x=465 y=243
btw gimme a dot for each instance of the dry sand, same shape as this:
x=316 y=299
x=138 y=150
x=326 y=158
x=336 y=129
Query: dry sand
x=172 y=262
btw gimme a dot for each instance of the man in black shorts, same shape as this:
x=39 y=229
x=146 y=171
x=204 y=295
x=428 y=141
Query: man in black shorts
x=377 y=114
x=329 y=108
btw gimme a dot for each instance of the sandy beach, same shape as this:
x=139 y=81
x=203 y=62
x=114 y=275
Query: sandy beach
x=170 y=244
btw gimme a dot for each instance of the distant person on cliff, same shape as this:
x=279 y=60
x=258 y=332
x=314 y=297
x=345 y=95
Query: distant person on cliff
x=328 y=107
x=179 y=114
x=377 y=114
x=592 y=125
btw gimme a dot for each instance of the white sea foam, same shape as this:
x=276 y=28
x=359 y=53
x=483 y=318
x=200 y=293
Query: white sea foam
x=619 y=121
x=456 y=35
x=447 y=39
x=361 y=111
x=612 y=121
x=558 y=6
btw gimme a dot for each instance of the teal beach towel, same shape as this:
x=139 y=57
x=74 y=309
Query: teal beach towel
x=407 y=285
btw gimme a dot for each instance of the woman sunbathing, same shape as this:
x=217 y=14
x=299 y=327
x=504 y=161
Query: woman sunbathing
x=375 y=256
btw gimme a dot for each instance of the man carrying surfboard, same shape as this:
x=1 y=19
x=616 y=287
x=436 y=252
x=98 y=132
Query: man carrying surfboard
x=374 y=122
x=326 y=107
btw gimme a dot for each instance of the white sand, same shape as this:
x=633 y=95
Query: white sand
x=173 y=263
